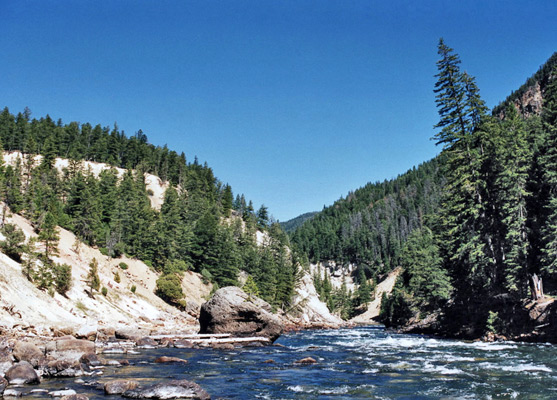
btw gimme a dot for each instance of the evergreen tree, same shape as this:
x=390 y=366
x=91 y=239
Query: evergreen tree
x=48 y=235
x=93 y=280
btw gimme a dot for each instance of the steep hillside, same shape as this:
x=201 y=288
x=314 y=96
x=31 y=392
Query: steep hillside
x=24 y=305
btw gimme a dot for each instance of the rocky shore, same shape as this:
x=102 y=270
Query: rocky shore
x=231 y=319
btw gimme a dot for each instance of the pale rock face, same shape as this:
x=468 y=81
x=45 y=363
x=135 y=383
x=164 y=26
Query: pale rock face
x=311 y=309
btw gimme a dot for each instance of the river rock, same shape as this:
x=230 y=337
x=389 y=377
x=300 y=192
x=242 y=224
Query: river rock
x=12 y=393
x=164 y=359
x=25 y=351
x=146 y=343
x=132 y=334
x=87 y=332
x=63 y=367
x=91 y=360
x=75 y=397
x=62 y=393
x=307 y=360
x=183 y=344
x=119 y=386
x=231 y=310
x=22 y=373
x=177 y=389
x=69 y=343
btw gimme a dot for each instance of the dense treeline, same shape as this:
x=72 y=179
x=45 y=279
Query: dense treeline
x=369 y=226
x=497 y=223
x=200 y=226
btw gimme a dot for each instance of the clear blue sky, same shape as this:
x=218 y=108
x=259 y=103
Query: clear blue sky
x=294 y=103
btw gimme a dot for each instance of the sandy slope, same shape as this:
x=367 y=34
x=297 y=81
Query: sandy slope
x=385 y=286
x=23 y=304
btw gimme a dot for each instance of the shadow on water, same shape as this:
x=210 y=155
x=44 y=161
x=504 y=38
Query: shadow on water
x=359 y=363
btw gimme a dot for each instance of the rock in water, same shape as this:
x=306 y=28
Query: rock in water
x=165 y=359
x=306 y=361
x=22 y=373
x=231 y=310
x=119 y=386
x=178 y=389
x=75 y=397
x=24 y=351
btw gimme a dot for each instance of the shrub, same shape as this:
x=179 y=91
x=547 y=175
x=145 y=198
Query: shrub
x=104 y=291
x=206 y=276
x=123 y=265
x=116 y=277
x=133 y=288
x=169 y=288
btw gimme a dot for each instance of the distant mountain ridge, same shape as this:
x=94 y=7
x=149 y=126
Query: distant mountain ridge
x=292 y=224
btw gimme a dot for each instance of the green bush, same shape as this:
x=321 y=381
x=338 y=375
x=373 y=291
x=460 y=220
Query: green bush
x=206 y=276
x=117 y=277
x=104 y=291
x=133 y=288
x=169 y=288
x=123 y=265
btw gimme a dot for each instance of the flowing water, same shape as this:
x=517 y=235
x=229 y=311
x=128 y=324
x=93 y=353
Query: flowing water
x=361 y=363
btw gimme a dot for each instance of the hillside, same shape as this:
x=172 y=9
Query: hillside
x=469 y=228
x=292 y=224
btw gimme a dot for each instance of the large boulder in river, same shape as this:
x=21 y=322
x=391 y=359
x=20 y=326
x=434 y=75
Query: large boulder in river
x=22 y=373
x=231 y=310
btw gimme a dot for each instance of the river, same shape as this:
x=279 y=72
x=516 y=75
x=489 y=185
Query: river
x=360 y=363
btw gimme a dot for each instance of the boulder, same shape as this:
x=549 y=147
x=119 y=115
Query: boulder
x=12 y=393
x=177 y=389
x=75 y=397
x=119 y=386
x=91 y=360
x=22 y=373
x=25 y=351
x=164 y=359
x=63 y=367
x=132 y=334
x=146 y=343
x=69 y=343
x=307 y=360
x=87 y=332
x=183 y=344
x=231 y=310
x=62 y=393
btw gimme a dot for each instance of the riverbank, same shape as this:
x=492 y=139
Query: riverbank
x=356 y=363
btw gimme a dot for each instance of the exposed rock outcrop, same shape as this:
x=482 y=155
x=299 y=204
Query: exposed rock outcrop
x=231 y=310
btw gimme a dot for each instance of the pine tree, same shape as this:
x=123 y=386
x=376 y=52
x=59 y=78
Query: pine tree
x=93 y=280
x=48 y=234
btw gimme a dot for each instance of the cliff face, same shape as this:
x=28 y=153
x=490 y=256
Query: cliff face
x=529 y=103
x=528 y=99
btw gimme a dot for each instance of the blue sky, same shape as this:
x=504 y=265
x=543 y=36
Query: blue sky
x=293 y=103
